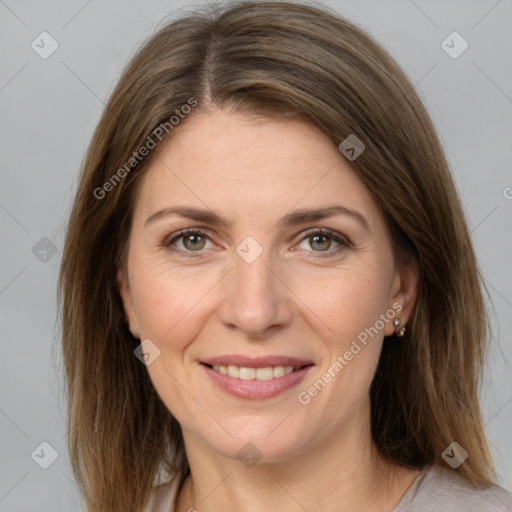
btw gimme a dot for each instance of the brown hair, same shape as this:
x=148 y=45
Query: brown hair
x=271 y=59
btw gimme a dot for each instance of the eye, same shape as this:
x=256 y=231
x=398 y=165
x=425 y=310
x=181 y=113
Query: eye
x=322 y=239
x=192 y=240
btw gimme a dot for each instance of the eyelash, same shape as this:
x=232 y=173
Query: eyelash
x=344 y=242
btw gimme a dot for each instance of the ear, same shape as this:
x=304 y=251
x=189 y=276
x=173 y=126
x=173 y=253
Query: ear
x=404 y=291
x=126 y=296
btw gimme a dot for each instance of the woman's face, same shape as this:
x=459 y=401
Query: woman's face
x=261 y=292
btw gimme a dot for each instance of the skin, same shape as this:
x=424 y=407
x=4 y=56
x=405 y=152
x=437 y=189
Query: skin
x=295 y=299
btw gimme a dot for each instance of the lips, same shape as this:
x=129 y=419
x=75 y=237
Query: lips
x=249 y=373
x=256 y=362
x=258 y=377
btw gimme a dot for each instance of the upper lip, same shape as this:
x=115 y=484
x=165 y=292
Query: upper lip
x=256 y=362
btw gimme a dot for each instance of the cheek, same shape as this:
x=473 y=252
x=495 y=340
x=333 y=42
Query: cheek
x=344 y=303
x=168 y=302
x=345 y=307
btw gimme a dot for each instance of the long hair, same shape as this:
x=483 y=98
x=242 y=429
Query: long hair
x=270 y=59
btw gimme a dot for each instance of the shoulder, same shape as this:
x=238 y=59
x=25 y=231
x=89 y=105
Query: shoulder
x=439 y=489
x=163 y=497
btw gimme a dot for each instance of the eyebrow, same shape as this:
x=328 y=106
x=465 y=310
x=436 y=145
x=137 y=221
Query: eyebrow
x=290 y=219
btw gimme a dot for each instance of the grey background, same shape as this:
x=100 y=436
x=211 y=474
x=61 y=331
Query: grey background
x=49 y=108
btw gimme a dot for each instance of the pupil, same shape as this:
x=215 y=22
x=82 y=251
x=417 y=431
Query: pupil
x=316 y=237
x=194 y=240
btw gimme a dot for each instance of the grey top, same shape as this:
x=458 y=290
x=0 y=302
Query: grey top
x=435 y=489
x=439 y=489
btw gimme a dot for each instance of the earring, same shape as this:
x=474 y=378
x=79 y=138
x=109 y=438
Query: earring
x=400 y=331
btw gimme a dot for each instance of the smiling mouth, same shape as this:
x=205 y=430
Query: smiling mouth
x=249 y=373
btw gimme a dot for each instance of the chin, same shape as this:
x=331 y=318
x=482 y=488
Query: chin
x=252 y=444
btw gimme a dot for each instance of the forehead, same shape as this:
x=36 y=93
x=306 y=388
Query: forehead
x=246 y=165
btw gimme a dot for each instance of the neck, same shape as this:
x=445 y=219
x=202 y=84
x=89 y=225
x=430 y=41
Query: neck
x=342 y=474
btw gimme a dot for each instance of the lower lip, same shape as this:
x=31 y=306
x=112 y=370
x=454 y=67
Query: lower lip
x=256 y=389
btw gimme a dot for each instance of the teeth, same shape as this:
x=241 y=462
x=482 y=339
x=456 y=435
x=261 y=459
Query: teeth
x=245 y=373
x=266 y=373
x=233 y=371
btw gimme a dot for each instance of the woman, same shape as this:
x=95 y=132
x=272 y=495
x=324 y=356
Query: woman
x=269 y=294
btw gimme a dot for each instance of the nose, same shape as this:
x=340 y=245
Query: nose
x=255 y=299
